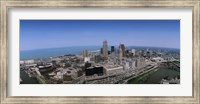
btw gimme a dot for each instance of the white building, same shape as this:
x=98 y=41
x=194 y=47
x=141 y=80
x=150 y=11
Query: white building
x=21 y=62
x=133 y=52
x=59 y=75
x=128 y=64
x=66 y=71
x=29 y=62
x=157 y=59
x=127 y=67
x=87 y=59
x=31 y=65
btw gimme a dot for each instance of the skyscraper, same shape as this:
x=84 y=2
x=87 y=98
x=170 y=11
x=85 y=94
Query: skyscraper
x=120 y=53
x=105 y=48
x=123 y=49
x=112 y=49
x=85 y=53
x=101 y=50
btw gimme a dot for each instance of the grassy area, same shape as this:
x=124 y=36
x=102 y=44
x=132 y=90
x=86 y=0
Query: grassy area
x=160 y=74
x=139 y=80
x=176 y=62
x=154 y=77
x=26 y=79
x=41 y=80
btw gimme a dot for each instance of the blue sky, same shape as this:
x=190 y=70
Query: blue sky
x=39 y=34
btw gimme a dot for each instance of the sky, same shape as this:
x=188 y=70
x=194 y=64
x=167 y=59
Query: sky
x=40 y=34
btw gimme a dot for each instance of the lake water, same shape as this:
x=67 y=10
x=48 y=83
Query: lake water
x=51 y=52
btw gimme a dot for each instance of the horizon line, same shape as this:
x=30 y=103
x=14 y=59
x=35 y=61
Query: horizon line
x=99 y=45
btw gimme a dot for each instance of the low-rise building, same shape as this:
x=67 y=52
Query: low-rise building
x=157 y=59
x=28 y=61
x=113 y=69
x=65 y=73
x=94 y=70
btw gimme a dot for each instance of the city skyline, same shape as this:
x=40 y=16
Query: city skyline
x=41 y=34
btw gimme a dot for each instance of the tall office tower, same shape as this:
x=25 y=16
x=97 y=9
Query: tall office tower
x=101 y=50
x=112 y=49
x=85 y=53
x=105 y=49
x=120 y=53
x=122 y=46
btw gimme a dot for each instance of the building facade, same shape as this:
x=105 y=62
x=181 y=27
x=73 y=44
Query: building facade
x=123 y=50
x=112 y=49
x=105 y=49
x=85 y=53
x=113 y=70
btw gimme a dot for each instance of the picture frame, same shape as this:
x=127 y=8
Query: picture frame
x=4 y=60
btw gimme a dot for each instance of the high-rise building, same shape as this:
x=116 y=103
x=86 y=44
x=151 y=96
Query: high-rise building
x=120 y=53
x=140 y=62
x=101 y=50
x=97 y=58
x=123 y=49
x=105 y=48
x=112 y=49
x=85 y=53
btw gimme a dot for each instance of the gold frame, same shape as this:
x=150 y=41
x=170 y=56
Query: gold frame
x=6 y=4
